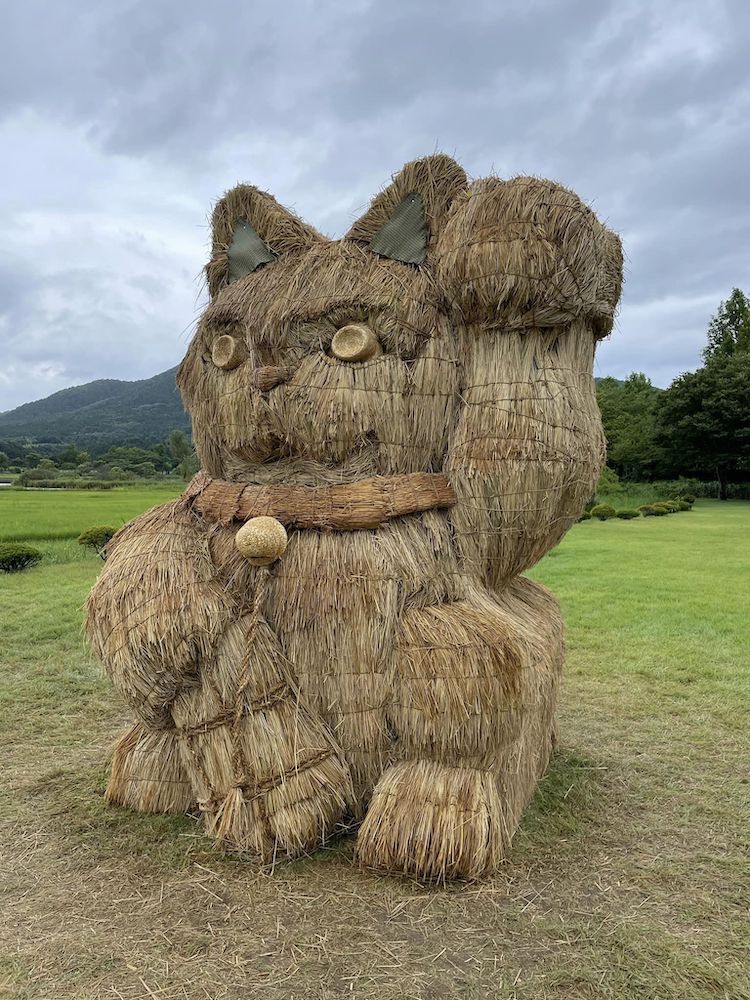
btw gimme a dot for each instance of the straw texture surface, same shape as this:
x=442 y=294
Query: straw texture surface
x=391 y=669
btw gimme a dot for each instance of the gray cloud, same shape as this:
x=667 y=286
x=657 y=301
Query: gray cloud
x=121 y=121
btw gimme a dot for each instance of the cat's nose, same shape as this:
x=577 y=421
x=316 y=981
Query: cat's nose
x=355 y=342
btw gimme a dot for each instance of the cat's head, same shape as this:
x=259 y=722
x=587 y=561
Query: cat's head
x=345 y=353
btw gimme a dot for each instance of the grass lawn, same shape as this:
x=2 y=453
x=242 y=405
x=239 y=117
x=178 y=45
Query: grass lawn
x=628 y=879
x=53 y=514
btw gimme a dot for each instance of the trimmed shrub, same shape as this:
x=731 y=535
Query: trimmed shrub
x=585 y=516
x=688 y=499
x=670 y=506
x=609 y=482
x=15 y=556
x=97 y=537
x=684 y=505
x=658 y=510
x=603 y=511
x=628 y=515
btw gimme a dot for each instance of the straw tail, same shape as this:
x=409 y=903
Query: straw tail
x=271 y=779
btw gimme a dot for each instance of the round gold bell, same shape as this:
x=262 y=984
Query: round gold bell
x=261 y=540
x=355 y=342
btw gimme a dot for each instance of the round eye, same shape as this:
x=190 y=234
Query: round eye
x=228 y=352
x=355 y=342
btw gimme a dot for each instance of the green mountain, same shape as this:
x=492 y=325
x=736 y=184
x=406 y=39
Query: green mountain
x=100 y=414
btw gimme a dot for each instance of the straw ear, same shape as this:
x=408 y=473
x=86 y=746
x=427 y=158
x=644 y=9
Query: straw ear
x=403 y=221
x=251 y=229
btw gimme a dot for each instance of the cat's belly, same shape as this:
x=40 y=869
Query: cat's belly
x=403 y=654
x=336 y=602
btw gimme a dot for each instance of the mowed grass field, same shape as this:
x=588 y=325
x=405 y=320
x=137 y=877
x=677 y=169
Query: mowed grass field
x=45 y=515
x=628 y=879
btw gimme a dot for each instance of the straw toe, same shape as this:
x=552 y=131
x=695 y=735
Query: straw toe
x=292 y=819
x=435 y=822
x=147 y=773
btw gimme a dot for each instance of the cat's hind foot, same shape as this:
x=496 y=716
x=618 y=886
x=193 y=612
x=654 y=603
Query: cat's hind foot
x=435 y=822
x=148 y=774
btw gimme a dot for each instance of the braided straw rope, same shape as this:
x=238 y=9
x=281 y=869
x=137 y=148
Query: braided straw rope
x=347 y=507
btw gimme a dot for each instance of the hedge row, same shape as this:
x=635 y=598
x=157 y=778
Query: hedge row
x=605 y=511
x=76 y=484
x=670 y=489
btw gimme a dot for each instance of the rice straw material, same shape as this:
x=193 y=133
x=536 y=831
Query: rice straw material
x=390 y=668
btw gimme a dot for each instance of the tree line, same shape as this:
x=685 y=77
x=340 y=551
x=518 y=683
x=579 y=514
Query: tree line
x=700 y=425
x=120 y=463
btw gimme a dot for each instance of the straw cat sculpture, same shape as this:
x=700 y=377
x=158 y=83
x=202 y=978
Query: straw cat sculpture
x=330 y=626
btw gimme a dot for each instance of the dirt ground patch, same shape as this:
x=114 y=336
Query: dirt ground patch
x=628 y=879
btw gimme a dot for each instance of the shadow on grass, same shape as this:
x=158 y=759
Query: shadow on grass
x=339 y=850
x=71 y=802
x=568 y=801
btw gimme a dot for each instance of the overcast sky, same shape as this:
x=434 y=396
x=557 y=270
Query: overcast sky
x=121 y=122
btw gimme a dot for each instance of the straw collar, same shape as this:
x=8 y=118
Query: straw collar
x=364 y=504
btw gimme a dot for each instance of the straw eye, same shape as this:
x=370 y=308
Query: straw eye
x=228 y=352
x=355 y=342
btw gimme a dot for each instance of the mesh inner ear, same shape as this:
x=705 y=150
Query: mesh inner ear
x=404 y=235
x=247 y=253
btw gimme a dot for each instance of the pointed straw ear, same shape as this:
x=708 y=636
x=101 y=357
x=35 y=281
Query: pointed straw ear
x=404 y=221
x=250 y=229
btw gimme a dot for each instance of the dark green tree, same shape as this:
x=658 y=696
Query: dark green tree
x=729 y=330
x=70 y=457
x=704 y=420
x=183 y=454
x=162 y=458
x=629 y=416
x=15 y=451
